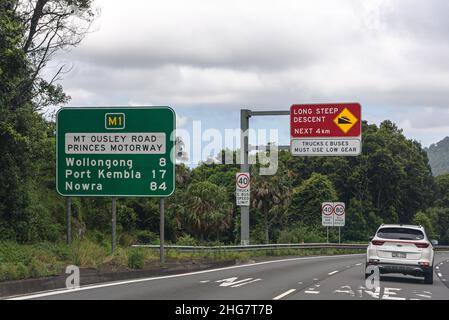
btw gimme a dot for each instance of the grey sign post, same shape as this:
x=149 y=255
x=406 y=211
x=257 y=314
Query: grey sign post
x=245 y=114
x=114 y=224
x=162 y=229
x=69 y=220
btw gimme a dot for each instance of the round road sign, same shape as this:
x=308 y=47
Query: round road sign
x=243 y=180
x=339 y=210
x=327 y=209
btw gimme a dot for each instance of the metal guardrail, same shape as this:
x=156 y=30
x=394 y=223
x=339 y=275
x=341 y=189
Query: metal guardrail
x=258 y=247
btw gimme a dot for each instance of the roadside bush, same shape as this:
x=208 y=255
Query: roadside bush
x=37 y=269
x=146 y=237
x=89 y=254
x=97 y=236
x=136 y=259
x=126 y=240
x=22 y=271
x=300 y=234
x=186 y=240
x=8 y=271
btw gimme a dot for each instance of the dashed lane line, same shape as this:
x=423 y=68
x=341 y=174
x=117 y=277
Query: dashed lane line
x=311 y=292
x=245 y=283
x=284 y=294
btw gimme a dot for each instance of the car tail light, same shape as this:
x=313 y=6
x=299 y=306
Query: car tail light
x=422 y=245
x=377 y=242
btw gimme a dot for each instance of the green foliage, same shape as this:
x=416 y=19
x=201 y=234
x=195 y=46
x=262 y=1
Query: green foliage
x=136 y=259
x=37 y=268
x=422 y=219
x=302 y=234
x=436 y=222
x=442 y=186
x=204 y=210
x=307 y=199
x=126 y=240
x=88 y=253
x=186 y=240
x=147 y=237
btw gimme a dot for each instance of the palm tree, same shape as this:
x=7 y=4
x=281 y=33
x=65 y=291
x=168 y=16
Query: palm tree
x=207 y=209
x=182 y=174
x=267 y=193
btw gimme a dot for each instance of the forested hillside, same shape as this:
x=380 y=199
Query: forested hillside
x=438 y=154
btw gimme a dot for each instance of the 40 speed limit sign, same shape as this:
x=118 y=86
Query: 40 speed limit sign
x=242 y=189
x=333 y=214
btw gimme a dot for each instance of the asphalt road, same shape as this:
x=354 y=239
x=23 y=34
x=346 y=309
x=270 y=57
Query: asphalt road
x=332 y=277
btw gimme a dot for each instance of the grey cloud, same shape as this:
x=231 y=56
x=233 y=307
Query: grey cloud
x=426 y=20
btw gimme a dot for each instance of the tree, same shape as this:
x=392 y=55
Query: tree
x=422 y=219
x=204 y=210
x=306 y=202
x=442 y=186
x=48 y=27
x=269 y=194
x=31 y=32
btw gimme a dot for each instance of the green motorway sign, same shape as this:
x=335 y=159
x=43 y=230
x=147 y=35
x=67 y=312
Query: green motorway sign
x=122 y=151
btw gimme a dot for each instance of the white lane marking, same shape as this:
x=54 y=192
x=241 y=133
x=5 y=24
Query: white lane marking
x=118 y=283
x=345 y=289
x=231 y=281
x=205 y=281
x=300 y=282
x=391 y=294
x=424 y=296
x=333 y=272
x=438 y=268
x=284 y=294
x=311 y=292
x=440 y=275
x=358 y=264
x=315 y=279
x=245 y=283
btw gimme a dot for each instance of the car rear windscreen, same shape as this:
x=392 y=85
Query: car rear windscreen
x=400 y=234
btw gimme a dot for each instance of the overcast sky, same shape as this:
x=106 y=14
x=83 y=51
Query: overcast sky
x=209 y=58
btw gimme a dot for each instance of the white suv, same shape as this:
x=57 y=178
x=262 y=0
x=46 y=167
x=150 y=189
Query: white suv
x=405 y=249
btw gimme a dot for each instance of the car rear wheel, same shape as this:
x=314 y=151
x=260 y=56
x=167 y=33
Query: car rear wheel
x=428 y=276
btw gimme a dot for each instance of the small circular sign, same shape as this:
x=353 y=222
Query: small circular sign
x=327 y=209
x=243 y=180
x=339 y=210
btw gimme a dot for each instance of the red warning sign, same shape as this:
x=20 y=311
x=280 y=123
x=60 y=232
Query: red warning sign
x=340 y=120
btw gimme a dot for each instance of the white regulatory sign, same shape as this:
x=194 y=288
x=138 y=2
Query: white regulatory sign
x=333 y=214
x=242 y=189
x=325 y=147
x=327 y=214
x=339 y=214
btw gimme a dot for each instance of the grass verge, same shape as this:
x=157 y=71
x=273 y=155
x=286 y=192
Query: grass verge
x=19 y=261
